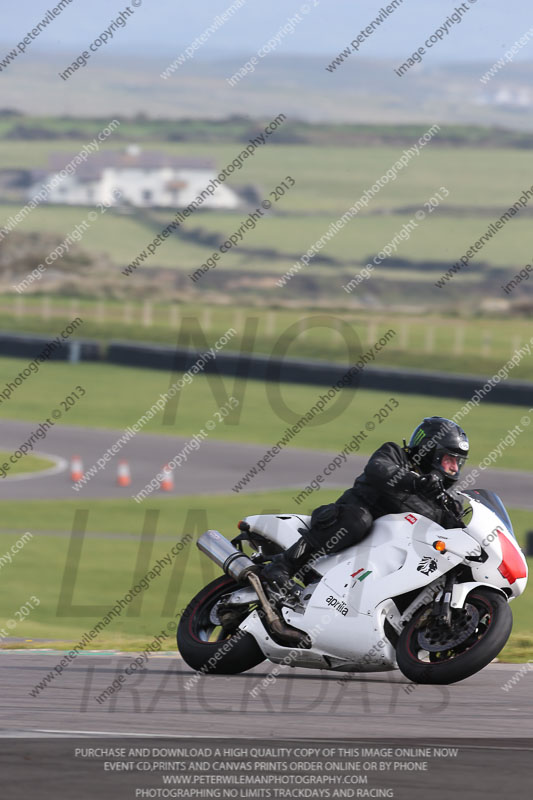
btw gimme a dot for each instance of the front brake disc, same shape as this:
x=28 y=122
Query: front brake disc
x=438 y=636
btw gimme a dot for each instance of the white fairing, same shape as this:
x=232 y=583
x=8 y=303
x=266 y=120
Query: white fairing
x=493 y=536
x=279 y=528
x=345 y=612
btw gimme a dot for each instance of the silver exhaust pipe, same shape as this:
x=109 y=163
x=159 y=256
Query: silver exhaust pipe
x=226 y=556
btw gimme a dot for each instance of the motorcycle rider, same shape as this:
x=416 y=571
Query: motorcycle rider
x=414 y=477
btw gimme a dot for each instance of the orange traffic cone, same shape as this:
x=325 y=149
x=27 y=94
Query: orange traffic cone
x=123 y=473
x=167 y=484
x=76 y=468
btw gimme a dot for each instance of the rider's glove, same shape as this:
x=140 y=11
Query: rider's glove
x=429 y=485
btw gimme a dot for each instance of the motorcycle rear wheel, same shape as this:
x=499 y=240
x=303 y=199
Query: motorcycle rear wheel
x=213 y=648
x=478 y=633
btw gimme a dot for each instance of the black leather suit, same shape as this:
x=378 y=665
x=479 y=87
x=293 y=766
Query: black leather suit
x=386 y=487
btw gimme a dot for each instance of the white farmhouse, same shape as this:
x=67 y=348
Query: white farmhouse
x=143 y=179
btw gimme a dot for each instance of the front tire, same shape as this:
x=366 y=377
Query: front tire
x=208 y=647
x=427 y=653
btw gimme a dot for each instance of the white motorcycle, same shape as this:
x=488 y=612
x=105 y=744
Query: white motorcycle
x=412 y=595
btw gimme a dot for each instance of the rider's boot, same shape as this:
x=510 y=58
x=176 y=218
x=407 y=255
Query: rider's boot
x=284 y=566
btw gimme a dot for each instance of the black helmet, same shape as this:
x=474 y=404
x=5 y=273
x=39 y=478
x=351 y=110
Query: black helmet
x=435 y=438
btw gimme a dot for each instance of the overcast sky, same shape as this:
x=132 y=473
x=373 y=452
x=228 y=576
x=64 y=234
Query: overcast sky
x=167 y=26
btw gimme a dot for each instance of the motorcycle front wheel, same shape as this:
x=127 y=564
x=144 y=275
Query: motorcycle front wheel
x=429 y=651
x=208 y=636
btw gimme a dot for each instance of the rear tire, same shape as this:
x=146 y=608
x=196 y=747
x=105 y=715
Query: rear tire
x=233 y=651
x=475 y=645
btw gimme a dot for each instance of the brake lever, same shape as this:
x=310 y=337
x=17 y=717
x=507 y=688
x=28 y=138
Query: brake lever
x=449 y=505
x=442 y=498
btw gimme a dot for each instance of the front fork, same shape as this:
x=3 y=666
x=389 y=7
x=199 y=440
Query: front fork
x=442 y=610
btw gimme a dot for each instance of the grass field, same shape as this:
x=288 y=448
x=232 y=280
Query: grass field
x=133 y=391
x=438 y=237
x=447 y=343
x=237 y=128
x=104 y=570
x=328 y=181
x=28 y=464
x=332 y=178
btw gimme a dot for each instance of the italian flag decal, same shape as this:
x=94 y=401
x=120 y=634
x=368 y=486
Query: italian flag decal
x=361 y=577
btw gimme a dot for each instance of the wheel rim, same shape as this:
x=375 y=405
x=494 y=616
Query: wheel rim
x=205 y=625
x=436 y=643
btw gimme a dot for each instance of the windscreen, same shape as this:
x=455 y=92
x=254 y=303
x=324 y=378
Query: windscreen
x=492 y=501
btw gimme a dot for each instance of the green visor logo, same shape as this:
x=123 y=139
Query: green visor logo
x=419 y=435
